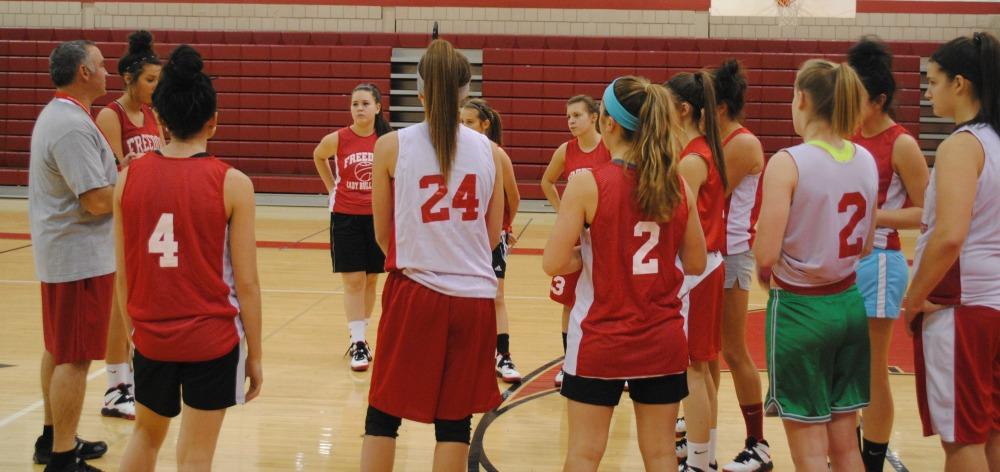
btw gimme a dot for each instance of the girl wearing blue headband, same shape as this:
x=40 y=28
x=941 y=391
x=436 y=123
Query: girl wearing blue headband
x=632 y=219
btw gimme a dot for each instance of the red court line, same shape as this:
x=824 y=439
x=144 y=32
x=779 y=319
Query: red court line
x=528 y=251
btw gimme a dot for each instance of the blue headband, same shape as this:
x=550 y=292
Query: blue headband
x=617 y=111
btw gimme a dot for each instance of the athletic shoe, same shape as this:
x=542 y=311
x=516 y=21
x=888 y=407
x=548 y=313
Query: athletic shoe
x=756 y=456
x=78 y=466
x=119 y=403
x=506 y=370
x=712 y=467
x=681 y=449
x=558 y=380
x=680 y=428
x=361 y=355
x=84 y=449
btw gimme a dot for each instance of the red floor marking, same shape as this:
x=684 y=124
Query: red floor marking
x=19 y=236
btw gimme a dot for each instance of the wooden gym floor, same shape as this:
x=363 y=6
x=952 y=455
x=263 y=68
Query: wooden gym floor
x=310 y=415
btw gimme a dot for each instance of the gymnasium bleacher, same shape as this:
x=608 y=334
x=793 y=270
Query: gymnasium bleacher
x=280 y=92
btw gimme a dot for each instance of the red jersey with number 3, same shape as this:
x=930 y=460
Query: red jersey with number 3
x=181 y=290
x=711 y=197
x=626 y=322
x=439 y=234
x=137 y=139
x=353 y=182
x=832 y=210
x=577 y=160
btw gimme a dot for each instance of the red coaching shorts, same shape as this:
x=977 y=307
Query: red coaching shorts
x=702 y=310
x=957 y=354
x=75 y=318
x=434 y=358
x=563 y=289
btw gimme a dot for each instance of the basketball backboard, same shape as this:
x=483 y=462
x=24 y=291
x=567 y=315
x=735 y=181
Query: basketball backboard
x=772 y=8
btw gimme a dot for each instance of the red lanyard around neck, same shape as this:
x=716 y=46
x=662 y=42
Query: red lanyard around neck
x=66 y=97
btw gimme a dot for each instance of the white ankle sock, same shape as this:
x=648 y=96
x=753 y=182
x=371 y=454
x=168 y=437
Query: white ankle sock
x=711 y=445
x=357 y=330
x=118 y=374
x=698 y=455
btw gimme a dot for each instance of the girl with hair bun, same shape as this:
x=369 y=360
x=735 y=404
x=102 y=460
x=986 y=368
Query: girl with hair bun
x=355 y=254
x=953 y=303
x=744 y=157
x=187 y=274
x=623 y=225
x=882 y=275
x=132 y=130
x=816 y=221
x=437 y=200
x=478 y=115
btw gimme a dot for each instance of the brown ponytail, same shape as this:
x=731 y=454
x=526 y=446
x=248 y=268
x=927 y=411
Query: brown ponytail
x=653 y=147
x=698 y=90
x=444 y=71
x=836 y=92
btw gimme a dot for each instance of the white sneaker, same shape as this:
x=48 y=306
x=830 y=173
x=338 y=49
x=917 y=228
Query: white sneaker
x=119 y=403
x=756 y=456
x=680 y=428
x=506 y=370
x=681 y=449
x=712 y=467
x=558 y=380
x=361 y=356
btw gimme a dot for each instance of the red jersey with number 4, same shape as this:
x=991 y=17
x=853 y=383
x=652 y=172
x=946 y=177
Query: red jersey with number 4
x=833 y=208
x=439 y=236
x=353 y=182
x=577 y=160
x=626 y=322
x=181 y=290
x=711 y=197
x=891 y=192
x=137 y=139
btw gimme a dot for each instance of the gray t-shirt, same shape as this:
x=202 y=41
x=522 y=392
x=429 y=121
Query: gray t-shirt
x=69 y=156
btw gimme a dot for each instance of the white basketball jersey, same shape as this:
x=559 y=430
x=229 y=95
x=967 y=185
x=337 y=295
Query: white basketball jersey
x=832 y=210
x=440 y=238
x=975 y=277
x=740 y=214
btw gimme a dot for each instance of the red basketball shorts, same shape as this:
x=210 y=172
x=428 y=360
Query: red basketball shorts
x=702 y=311
x=957 y=353
x=75 y=318
x=434 y=358
x=563 y=289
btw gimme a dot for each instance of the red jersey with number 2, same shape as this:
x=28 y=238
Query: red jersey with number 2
x=439 y=234
x=181 y=290
x=626 y=322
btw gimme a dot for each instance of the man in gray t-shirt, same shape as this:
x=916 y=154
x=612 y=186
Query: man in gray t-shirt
x=71 y=181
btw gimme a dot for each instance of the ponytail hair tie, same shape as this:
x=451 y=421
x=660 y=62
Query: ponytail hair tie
x=977 y=40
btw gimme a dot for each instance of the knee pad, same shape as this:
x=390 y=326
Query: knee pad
x=459 y=431
x=380 y=423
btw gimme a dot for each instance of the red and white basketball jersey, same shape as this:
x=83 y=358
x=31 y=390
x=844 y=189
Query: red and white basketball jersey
x=975 y=277
x=137 y=139
x=891 y=193
x=626 y=322
x=576 y=160
x=742 y=208
x=711 y=197
x=833 y=208
x=181 y=289
x=353 y=182
x=439 y=227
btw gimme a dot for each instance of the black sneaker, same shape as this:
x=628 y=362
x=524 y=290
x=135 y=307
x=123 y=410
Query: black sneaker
x=78 y=466
x=361 y=356
x=84 y=450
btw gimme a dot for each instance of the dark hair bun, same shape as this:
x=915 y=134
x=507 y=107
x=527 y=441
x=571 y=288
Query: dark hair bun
x=870 y=53
x=140 y=43
x=185 y=64
x=728 y=72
